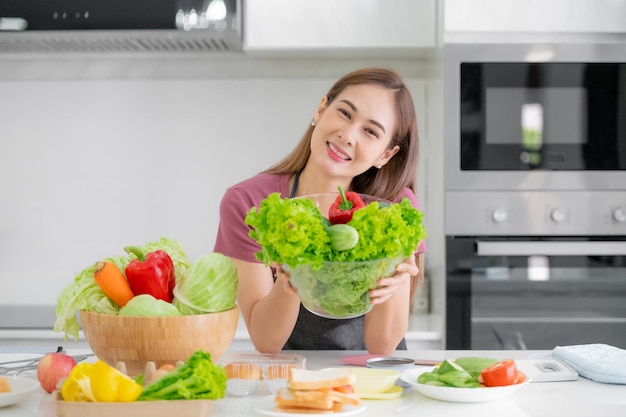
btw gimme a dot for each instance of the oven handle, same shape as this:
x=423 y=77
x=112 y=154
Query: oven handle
x=530 y=248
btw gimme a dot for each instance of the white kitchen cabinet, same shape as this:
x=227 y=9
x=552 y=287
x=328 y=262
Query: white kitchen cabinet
x=568 y=17
x=346 y=26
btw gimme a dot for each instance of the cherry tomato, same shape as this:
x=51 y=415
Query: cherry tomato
x=500 y=373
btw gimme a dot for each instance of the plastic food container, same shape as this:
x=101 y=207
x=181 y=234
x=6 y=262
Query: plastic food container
x=249 y=372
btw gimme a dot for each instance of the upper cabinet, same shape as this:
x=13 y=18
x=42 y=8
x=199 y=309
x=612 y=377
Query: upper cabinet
x=398 y=27
x=566 y=17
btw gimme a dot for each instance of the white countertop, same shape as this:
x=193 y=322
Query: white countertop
x=582 y=397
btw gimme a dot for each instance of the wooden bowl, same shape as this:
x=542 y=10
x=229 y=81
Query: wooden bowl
x=137 y=340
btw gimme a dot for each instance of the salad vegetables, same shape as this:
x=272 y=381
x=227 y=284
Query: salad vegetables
x=500 y=373
x=340 y=288
x=473 y=372
x=99 y=382
x=294 y=232
x=113 y=282
x=151 y=273
x=147 y=305
x=344 y=207
x=335 y=264
x=210 y=285
x=197 y=378
x=104 y=288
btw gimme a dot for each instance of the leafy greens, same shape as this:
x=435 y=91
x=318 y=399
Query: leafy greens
x=197 y=378
x=293 y=233
x=84 y=294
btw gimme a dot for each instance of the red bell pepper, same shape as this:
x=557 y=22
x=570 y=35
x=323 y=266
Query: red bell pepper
x=151 y=274
x=344 y=206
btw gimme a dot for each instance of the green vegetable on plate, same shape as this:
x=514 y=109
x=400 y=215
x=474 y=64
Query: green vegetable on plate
x=459 y=373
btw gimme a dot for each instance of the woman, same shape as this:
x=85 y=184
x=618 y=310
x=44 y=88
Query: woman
x=362 y=137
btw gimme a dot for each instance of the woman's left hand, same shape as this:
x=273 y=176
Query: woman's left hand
x=387 y=286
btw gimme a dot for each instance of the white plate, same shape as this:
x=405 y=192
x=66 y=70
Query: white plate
x=20 y=389
x=459 y=395
x=267 y=406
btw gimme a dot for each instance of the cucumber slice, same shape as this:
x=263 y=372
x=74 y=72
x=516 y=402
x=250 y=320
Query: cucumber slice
x=342 y=236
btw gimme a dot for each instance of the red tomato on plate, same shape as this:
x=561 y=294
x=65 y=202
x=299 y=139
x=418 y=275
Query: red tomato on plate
x=499 y=374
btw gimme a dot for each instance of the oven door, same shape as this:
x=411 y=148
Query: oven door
x=535 y=292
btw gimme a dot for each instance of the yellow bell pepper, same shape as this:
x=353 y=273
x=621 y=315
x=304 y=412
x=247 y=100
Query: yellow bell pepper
x=77 y=386
x=110 y=385
x=99 y=382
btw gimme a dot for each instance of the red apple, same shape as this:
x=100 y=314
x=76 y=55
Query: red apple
x=52 y=367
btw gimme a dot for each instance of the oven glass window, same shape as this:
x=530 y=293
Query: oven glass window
x=543 y=116
x=534 y=301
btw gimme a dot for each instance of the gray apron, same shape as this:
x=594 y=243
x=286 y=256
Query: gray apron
x=312 y=332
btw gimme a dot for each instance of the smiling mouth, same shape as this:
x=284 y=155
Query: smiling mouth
x=337 y=152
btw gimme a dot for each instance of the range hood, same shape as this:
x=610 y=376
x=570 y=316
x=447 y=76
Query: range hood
x=127 y=26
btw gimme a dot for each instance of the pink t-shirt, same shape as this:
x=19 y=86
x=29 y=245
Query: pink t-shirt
x=232 y=233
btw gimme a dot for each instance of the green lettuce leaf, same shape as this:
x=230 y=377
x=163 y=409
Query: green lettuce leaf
x=290 y=231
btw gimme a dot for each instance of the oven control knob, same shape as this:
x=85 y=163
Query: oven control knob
x=499 y=215
x=619 y=215
x=558 y=216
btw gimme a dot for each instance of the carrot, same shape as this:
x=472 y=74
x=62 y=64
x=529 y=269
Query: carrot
x=113 y=282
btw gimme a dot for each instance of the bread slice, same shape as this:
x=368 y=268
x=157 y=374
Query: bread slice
x=344 y=398
x=326 y=394
x=285 y=398
x=307 y=379
x=303 y=410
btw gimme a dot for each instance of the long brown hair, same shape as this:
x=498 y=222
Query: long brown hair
x=401 y=170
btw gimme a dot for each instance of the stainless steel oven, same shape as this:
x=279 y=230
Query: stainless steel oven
x=535 y=194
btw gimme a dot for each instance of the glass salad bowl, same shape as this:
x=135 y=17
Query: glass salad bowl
x=335 y=256
x=339 y=290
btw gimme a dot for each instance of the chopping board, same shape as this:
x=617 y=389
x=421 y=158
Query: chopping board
x=546 y=370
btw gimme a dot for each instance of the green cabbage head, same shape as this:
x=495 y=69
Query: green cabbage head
x=209 y=286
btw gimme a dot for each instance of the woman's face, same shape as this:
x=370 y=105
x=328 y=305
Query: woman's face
x=354 y=131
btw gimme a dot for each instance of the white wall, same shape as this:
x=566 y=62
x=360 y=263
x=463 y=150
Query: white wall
x=90 y=164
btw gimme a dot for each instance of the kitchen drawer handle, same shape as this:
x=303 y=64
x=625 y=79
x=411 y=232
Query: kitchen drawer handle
x=530 y=248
